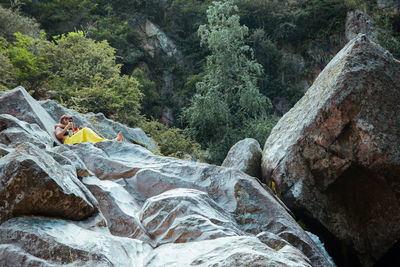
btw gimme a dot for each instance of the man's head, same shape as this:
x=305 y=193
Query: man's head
x=66 y=118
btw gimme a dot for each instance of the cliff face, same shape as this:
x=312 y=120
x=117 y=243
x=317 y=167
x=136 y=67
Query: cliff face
x=117 y=204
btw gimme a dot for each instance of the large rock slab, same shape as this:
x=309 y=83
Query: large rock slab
x=235 y=251
x=20 y=104
x=14 y=131
x=33 y=183
x=245 y=156
x=119 y=208
x=145 y=175
x=52 y=242
x=335 y=155
x=100 y=124
x=185 y=215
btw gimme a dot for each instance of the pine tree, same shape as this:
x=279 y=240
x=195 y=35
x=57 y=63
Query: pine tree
x=228 y=95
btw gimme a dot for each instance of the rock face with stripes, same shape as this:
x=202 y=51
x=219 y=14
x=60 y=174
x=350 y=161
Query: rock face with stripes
x=117 y=204
x=335 y=155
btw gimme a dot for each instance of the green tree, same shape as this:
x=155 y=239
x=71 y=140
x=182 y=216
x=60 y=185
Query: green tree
x=86 y=77
x=227 y=96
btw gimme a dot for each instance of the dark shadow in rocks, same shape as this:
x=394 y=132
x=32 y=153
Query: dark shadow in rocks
x=342 y=254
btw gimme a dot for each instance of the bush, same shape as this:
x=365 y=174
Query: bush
x=172 y=142
x=87 y=78
x=12 y=22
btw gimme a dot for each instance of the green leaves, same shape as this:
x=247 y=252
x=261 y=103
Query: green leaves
x=228 y=95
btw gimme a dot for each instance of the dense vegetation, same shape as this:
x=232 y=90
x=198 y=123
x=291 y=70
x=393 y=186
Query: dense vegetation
x=244 y=62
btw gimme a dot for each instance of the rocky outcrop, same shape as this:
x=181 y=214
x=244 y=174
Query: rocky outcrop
x=245 y=156
x=117 y=204
x=21 y=105
x=33 y=183
x=52 y=242
x=14 y=132
x=226 y=251
x=335 y=156
x=98 y=122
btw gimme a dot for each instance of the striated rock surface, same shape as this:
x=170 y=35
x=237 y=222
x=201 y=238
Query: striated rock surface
x=245 y=156
x=335 y=156
x=119 y=209
x=14 y=131
x=20 y=104
x=33 y=183
x=233 y=251
x=145 y=175
x=48 y=242
x=186 y=215
x=117 y=204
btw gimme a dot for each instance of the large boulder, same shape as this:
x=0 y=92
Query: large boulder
x=245 y=156
x=335 y=155
x=20 y=104
x=33 y=183
x=53 y=242
x=100 y=124
x=145 y=175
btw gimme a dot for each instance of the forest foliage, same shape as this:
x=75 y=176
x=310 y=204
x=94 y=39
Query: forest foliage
x=250 y=62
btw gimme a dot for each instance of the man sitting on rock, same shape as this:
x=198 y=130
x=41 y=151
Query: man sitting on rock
x=67 y=134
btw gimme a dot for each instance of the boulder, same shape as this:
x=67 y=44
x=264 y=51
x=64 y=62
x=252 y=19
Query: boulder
x=119 y=209
x=185 y=215
x=100 y=124
x=335 y=155
x=233 y=251
x=245 y=156
x=13 y=132
x=48 y=242
x=145 y=175
x=20 y=104
x=33 y=183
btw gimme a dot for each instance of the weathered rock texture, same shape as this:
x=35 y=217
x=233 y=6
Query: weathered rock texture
x=33 y=183
x=117 y=204
x=57 y=242
x=336 y=154
x=245 y=156
x=20 y=104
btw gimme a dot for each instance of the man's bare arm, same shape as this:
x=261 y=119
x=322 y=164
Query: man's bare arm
x=60 y=132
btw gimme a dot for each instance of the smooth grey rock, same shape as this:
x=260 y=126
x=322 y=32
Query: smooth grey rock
x=119 y=209
x=185 y=215
x=235 y=251
x=335 y=155
x=33 y=183
x=20 y=104
x=61 y=242
x=145 y=175
x=14 y=132
x=245 y=156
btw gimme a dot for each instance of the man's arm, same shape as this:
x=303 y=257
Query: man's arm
x=60 y=132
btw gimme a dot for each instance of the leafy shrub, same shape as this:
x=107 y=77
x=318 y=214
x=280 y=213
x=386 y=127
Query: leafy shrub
x=12 y=22
x=172 y=142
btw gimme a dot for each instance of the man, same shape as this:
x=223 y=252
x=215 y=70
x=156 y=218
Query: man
x=67 y=134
